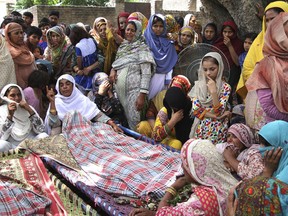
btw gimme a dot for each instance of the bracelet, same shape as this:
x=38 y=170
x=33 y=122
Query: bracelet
x=171 y=190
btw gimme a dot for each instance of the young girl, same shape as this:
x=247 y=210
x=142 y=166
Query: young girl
x=87 y=60
x=18 y=120
x=240 y=153
x=163 y=51
x=210 y=98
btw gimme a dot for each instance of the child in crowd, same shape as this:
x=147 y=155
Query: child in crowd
x=210 y=100
x=33 y=37
x=38 y=53
x=249 y=38
x=240 y=153
x=44 y=26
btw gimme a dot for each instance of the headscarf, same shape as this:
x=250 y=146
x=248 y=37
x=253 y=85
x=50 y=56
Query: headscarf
x=140 y=17
x=187 y=29
x=243 y=133
x=97 y=23
x=181 y=82
x=272 y=71
x=262 y=196
x=108 y=45
x=187 y=19
x=121 y=32
x=21 y=122
x=214 y=26
x=235 y=41
x=162 y=49
x=255 y=54
x=57 y=50
x=172 y=26
x=176 y=98
x=20 y=53
x=204 y=164
x=276 y=134
x=76 y=101
x=24 y=61
x=134 y=52
x=7 y=69
x=200 y=89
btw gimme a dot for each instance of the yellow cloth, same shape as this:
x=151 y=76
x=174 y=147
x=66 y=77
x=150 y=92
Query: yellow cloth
x=158 y=99
x=144 y=128
x=255 y=54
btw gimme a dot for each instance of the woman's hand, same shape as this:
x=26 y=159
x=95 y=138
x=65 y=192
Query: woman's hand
x=12 y=107
x=211 y=85
x=177 y=116
x=232 y=201
x=140 y=101
x=115 y=127
x=228 y=166
x=142 y=212
x=50 y=94
x=226 y=114
x=271 y=161
x=227 y=41
x=180 y=183
x=113 y=76
x=104 y=87
x=23 y=104
x=86 y=71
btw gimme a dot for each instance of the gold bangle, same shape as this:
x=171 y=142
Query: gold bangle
x=171 y=190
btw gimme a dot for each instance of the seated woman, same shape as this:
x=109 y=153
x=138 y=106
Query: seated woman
x=18 y=120
x=23 y=59
x=210 y=99
x=59 y=52
x=267 y=193
x=185 y=38
x=267 y=98
x=210 y=180
x=173 y=122
x=131 y=73
x=68 y=99
x=240 y=153
x=146 y=127
x=106 y=100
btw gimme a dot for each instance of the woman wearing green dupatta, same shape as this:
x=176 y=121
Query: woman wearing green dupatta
x=131 y=73
x=59 y=51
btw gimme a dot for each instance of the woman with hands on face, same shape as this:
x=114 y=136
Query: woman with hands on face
x=210 y=96
x=69 y=99
x=265 y=194
x=210 y=181
x=173 y=122
x=240 y=153
x=18 y=120
x=106 y=100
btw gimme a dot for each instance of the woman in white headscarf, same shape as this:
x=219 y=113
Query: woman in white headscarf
x=18 y=120
x=69 y=99
x=210 y=98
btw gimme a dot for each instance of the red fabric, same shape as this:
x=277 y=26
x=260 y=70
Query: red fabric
x=122 y=14
x=208 y=200
x=29 y=178
x=235 y=41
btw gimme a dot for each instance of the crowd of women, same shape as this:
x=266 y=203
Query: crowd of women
x=226 y=129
